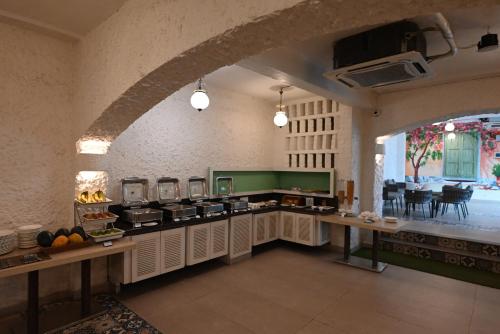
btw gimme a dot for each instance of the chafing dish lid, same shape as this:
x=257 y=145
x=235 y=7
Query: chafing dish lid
x=134 y=191
x=169 y=190
x=224 y=185
x=197 y=188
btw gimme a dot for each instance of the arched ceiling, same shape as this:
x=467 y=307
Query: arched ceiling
x=301 y=21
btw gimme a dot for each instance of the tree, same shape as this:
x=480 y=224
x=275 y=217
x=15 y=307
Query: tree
x=424 y=143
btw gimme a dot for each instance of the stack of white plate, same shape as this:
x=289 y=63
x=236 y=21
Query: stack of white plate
x=7 y=241
x=26 y=235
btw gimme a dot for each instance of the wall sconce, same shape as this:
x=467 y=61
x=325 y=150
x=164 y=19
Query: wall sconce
x=92 y=146
x=91 y=181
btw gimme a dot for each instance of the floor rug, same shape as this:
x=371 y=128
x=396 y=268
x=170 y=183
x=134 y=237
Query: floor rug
x=115 y=319
x=435 y=267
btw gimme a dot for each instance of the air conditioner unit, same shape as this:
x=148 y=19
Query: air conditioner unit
x=383 y=56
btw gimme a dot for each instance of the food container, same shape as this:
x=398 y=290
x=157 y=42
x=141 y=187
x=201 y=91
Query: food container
x=99 y=217
x=290 y=200
x=106 y=234
x=134 y=196
x=145 y=215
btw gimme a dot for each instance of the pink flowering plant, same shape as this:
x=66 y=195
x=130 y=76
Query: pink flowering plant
x=426 y=142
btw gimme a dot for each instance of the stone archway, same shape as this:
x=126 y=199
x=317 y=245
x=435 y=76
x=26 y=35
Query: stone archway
x=295 y=21
x=378 y=161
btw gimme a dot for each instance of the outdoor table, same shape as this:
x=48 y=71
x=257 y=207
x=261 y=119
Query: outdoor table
x=376 y=228
x=82 y=255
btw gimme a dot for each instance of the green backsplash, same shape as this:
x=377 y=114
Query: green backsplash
x=247 y=181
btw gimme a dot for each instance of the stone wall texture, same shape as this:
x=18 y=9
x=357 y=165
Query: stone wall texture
x=173 y=139
x=36 y=143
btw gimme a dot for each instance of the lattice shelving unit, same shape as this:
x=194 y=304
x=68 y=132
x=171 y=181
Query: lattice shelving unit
x=311 y=141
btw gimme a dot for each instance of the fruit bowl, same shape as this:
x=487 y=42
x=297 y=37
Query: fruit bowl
x=68 y=247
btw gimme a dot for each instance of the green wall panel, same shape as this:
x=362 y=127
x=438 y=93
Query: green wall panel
x=304 y=180
x=247 y=181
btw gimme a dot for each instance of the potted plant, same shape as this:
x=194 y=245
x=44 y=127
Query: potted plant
x=496 y=171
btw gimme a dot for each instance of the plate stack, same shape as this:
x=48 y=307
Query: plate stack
x=7 y=241
x=26 y=235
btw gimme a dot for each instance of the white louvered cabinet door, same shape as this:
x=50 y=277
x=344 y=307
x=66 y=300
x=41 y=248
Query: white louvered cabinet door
x=287 y=226
x=219 y=238
x=146 y=256
x=322 y=233
x=240 y=235
x=259 y=228
x=173 y=249
x=198 y=243
x=305 y=229
x=272 y=226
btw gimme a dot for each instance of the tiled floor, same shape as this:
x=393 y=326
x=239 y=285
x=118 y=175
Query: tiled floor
x=298 y=290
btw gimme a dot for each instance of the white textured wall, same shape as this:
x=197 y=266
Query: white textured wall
x=395 y=157
x=173 y=139
x=143 y=35
x=36 y=146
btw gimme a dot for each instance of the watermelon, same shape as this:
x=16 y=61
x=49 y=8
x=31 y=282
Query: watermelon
x=62 y=231
x=45 y=239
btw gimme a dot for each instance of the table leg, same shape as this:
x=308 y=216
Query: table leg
x=375 y=250
x=347 y=242
x=32 y=312
x=85 y=288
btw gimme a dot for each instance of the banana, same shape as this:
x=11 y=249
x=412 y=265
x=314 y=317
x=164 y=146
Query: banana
x=84 y=197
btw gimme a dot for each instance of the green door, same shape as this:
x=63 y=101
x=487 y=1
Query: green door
x=460 y=156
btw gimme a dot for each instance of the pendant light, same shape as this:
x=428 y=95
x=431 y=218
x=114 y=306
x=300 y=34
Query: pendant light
x=280 y=119
x=449 y=126
x=199 y=99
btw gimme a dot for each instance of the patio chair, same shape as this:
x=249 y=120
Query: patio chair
x=386 y=196
x=395 y=191
x=416 y=197
x=456 y=196
x=470 y=192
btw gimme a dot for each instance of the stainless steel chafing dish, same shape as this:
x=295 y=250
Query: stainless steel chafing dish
x=134 y=197
x=197 y=189
x=169 y=193
x=224 y=188
x=235 y=205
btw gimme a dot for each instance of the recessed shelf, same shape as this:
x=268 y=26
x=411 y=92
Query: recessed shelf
x=317 y=133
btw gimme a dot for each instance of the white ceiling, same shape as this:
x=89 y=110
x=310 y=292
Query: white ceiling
x=241 y=80
x=74 y=18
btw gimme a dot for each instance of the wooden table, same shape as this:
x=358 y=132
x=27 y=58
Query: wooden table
x=376 y=228
x=82 y=255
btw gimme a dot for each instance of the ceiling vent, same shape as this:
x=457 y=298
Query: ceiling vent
x=387 y=55
x=382 y=72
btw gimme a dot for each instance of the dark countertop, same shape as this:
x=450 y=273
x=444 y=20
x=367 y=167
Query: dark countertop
x=170 y=224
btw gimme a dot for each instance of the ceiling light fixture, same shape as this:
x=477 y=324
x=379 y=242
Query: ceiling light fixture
x=199 y=99
x=280 y=119
x=449 y=126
